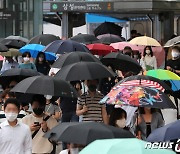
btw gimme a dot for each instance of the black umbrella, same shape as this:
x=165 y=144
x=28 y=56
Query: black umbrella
x=85 y=132
x=121 y=62
x=12 y=43
x=61 y=47
x=85 y=38
x=84 y=71
x=3 y=48
x=16 y=74
x=13 y=37
x=144 y=77
x=43 y=39
x=108 y=28
x=45 y=85
x=109 y=38
x=74 y=57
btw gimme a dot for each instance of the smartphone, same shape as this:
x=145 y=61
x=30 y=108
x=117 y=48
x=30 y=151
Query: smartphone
x=37 y=123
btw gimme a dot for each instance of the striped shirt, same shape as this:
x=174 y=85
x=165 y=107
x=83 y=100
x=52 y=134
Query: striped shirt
x=94 y=107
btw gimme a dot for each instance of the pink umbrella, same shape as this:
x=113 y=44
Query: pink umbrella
x=122 y=45
x=1 y=58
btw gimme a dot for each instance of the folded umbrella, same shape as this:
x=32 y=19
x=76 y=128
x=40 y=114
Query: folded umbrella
x=84 y=71
x=74 y=57
x=45 y=85
x=138 y=96
x=90 y=131
x=121 y=62
x=64 y=46
x=43 y=39
x=124 y=146
x=100 y=49
x=144 y=40
x=85 y=38
x=166 y=133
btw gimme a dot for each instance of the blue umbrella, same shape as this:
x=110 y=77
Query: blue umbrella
x=166 y=133
x=64 y=46
x=34 y=49
x=175 y=85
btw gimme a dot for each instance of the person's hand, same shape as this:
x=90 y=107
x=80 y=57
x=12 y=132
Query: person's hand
x=85 y=109
x=34 y=127
x=44 y=126
x=169 y=68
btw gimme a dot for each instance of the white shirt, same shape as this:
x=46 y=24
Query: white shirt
x=15 y=140
x=151 y=61
x=6 y=66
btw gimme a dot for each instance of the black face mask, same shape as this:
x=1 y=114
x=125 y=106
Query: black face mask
x=92 y=88
x=38 y=111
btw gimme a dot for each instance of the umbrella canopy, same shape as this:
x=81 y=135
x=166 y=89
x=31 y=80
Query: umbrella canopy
x=144 y=40
x=1 y=58
x=74 y=57
x=11 y=52
x=43 y=39
x=16 y=74
x=45 y=85
x=84 y=71
x=34 y=50
x=85 y=38
x=108 y=28
x=19 y=38
x=3 y=48
x=163 y=74
x=166 y=133
x=122 y=45
x=12 y=43
x=100 y=49
x=124 y=146
x=144 y=77
x=172 y=42
x=109 y=38
x=69 y=132
x=121 y=62
x=64 y=46
x=138 y=96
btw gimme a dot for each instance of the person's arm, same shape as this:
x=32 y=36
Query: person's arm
x=28 y=143
x=81 y=109
x=104 y=115
x=57 y=114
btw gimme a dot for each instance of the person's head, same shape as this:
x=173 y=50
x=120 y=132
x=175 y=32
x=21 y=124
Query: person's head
x=11 y=109
x=175 y=52
x=137 y=55
x=7 y=94
x=148 y=51
x=128 y=74
x=75 y=148
x=24 y=106
x=38 y=104
x=128 y=51
x=133 y=33
x=144 y=110
x=12 y=84
x=92 y=85
x=9 y=59
x=41 y=58
x=26 y=57
x=118 y=117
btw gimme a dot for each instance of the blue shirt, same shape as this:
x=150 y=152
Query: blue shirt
x=28 y=66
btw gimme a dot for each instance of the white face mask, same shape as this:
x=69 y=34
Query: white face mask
x=26 y=59
x=148 y=51
x=74 y=150
x=11 y=116
x=175 y=54
x=48 y=97
x=121 y=123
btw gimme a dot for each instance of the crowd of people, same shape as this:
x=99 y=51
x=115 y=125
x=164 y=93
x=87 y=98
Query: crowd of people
x=45 y=112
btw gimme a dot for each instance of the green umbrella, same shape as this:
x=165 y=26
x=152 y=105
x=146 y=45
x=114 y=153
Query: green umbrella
x=163 y=74
x=121 y=146
x=11 y=52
